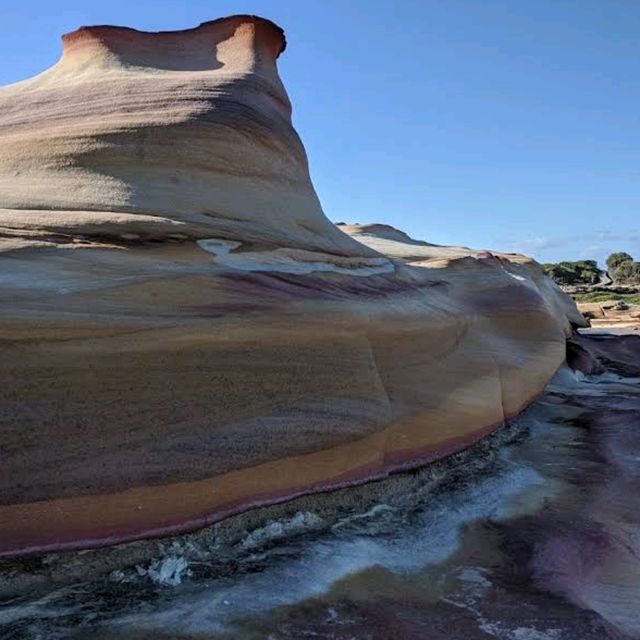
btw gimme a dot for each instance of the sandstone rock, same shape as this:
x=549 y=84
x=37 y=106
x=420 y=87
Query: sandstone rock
x=611 y=315
x=186 y=335
x=596 y=353
x=152 y=134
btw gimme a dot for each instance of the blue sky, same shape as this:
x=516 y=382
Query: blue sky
x=503 y=124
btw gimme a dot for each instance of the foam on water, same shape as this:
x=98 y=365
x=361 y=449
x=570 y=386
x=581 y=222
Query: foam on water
x=574 y=382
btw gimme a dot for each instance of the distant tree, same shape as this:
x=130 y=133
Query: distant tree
x=626 y=272
x=574 y=273
x=623 y=269
x=621 y=266
x=617 y=259
x=590 y=272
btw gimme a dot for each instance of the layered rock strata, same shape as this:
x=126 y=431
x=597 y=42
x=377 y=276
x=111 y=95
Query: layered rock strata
x=184 y=333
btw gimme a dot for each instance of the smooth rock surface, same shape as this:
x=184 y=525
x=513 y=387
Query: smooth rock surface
x=186 y=335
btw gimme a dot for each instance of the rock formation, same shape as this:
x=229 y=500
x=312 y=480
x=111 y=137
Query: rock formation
x=186 y=335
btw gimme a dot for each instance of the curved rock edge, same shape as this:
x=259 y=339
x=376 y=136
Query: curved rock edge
x=29 y=517
x=218 y=541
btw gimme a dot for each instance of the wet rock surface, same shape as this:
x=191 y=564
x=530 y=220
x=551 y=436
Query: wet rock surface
x=536 y=540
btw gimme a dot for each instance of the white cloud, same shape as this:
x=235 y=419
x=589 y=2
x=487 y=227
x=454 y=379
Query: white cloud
x=595 y=245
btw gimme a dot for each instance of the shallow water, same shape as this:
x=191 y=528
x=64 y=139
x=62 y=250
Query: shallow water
x=540 y=544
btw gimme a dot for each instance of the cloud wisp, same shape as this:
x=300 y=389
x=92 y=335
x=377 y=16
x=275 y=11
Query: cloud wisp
x=594 y=245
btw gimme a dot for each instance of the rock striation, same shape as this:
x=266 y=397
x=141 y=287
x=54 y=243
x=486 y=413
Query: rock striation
x=184 y=133
x=185 y=335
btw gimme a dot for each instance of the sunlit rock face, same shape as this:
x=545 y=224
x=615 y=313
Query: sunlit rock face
x=186 y=335
x=185 y=132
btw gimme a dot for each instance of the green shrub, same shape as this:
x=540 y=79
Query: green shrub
x=622 y=268
x=617 y=259
x=574 y=273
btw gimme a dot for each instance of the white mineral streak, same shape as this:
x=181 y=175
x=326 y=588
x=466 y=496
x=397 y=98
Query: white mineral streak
x=285 y=260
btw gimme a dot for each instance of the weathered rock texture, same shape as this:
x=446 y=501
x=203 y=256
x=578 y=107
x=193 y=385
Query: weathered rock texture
x=185 y=334
x=155 y=134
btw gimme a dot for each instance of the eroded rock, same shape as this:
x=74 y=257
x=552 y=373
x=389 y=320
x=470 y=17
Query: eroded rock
x=186 y=335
